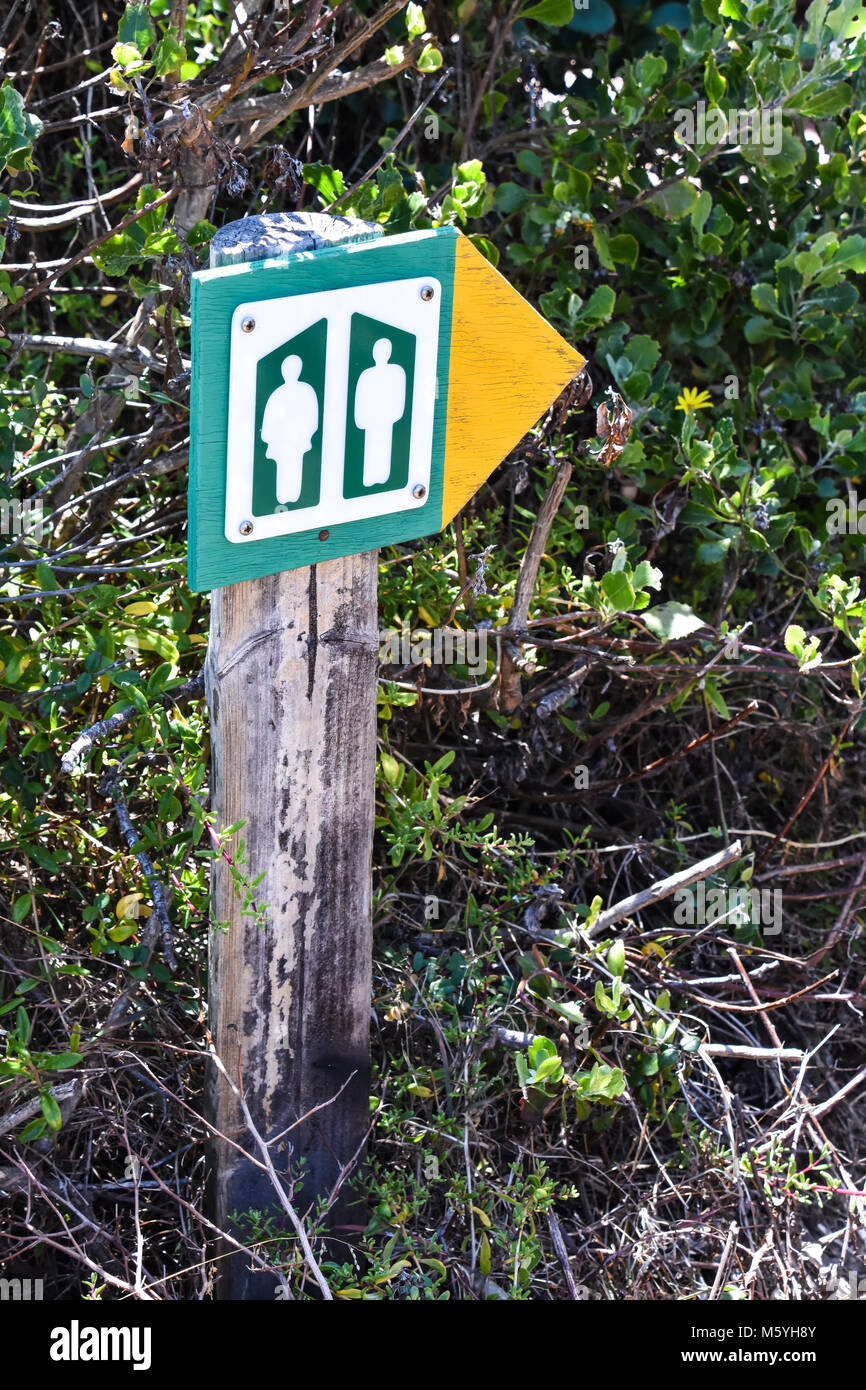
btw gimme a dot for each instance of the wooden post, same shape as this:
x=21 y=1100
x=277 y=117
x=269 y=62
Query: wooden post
x=291 y=687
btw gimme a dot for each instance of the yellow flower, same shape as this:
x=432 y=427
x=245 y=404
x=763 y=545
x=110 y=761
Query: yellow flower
x=693 y=399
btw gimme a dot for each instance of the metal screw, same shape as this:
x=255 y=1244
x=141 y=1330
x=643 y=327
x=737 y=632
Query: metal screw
x=427 y=292
x=419 y=491
x=323 y=535
x=247 y=325
x=246 y=528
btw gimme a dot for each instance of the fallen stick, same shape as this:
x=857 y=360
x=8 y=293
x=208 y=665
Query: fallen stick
x=819 y=1111
x=754 y=1054
x=657 y=892
x=67 y=1091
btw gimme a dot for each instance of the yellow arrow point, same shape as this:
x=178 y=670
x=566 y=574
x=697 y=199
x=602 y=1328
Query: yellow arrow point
x=507 y=365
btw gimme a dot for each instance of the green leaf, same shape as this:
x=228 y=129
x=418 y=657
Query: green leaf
x=601 y=1083
x=430 y=59
x=671 y=621
x=442 y=764
x=390 y=769
x=759 y=330
x=128 y=58
x=786 y=161
x=624 y=248
x=651 y=69
x=572 y=1012
x=700 y=212
x=643 y=352
x=594 y=909
x=672 y=14
x=599 y=307
x=714 y=83
x=808 y=264
x=136 y=27
x=827 y=100
x=327 y=182
x=675 y=201
x=528 y=162
x=169 y=54
x=715 y=697
x=486 y=247
x=713 y=552
x=551 y=1067
x=618 y=591
x=21 y=907
x=601 y=242
x=200 y=234
x=614 y=1083
x=647 y=576
x=851 y=254
x=552 y=12
x=509 y=197
x=50 y=1110
x=835 y=300
x=616 y=958
x=415 y=21
x=603 y=1001
x=169 y=808
x=846 y=20
x=34 y=1130
x=539 y=1049
x=764 y=298
x=122 y=932
x=62 y=1061
x=18 y=131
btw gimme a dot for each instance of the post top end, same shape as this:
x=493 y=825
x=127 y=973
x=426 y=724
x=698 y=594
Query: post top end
x=285 y=233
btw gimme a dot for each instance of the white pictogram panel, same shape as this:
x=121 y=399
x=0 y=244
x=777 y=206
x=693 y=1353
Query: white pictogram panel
x=331 y=406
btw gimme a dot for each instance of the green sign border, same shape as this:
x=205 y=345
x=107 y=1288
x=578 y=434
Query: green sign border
x=214 y=561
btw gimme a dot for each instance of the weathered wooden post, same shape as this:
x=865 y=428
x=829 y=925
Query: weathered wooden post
x=291 y=687
x=349 y=392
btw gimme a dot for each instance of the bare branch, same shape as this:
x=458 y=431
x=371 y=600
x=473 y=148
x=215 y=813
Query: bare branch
x=262 y=1147
x=98 y=732
x=123 y=353
x=509 y=693
x=664 y=887
x=160 y=906
x=56 y=215
x=268 y=110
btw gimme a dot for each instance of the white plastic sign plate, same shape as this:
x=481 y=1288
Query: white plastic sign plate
x=332 y=398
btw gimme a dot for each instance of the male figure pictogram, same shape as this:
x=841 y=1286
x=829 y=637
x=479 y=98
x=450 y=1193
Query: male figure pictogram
x=380 y=399
x=290 y=420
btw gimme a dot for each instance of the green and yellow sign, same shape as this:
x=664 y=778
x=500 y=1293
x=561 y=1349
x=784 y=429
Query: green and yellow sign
x=354 y=397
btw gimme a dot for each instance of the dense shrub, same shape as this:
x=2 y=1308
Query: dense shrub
x=680 y=190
